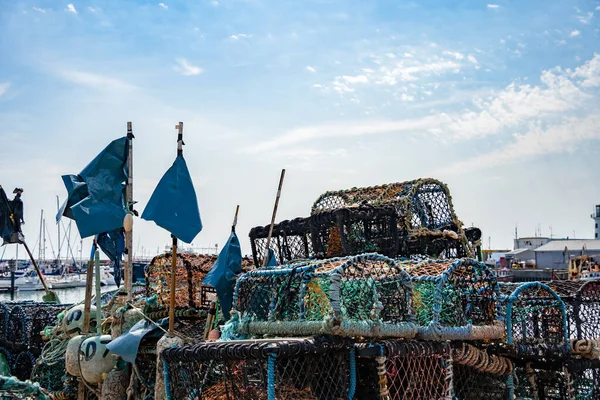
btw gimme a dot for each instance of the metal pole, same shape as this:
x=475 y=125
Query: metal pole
x=59 y=245
x=129 y=198
x=273 y=217
x=41 y=228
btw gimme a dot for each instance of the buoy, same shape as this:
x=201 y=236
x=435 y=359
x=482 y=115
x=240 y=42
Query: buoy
x=165 y=342
x=72 y=323
x=72 y=355
x=95 y=359
x=214 y=335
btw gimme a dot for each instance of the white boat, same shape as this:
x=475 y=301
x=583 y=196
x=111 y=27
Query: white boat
x=29 y=281
x=66 y=281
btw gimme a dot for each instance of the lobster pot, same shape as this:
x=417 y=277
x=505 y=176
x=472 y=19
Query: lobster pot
x=355 y=230
x=290 y=241
x=425 y=215
x=536 y=320
x=582 y=302
x=572 y=380
x=455 y=300
x=479 y=375
x=404 y=370
x=284 y=369
x=21 y=323
x=367 y=295
x=191 y=270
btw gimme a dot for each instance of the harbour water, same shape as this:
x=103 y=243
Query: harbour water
x=71 y=295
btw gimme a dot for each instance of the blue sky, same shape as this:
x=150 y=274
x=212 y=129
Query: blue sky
x=499 y=100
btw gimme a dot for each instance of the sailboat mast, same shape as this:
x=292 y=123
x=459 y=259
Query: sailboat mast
x=129 y=199
x=44 y=249
x=58 y=226
x=41 y=233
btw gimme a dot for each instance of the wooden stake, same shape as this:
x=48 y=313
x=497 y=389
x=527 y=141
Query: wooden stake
x=87 y=305
x=180 y=143
x=273 y=217
x=237 y=210
x=36 y=268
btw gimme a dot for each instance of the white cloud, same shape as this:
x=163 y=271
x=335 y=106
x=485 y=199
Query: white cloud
x=40 y=10
x=598 y=8
x=239 y=36
x=344 y=129
x=589 y=73
x=493 y=6
x=454 y=54
x=71 y=8
x=575 y=33
x=565 y=136
x=560 y=92
x=94 y=80
x=585 y=19
x=4 y=88
x=94 y=10
x=187 y=69
x=163 y=5
x=407 y=97
x=472 y=58
x=214 y=3
x=311 y=69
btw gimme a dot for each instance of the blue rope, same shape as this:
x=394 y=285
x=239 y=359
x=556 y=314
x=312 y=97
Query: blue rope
x=270 y=376
x=352 y=388
x=167 y=378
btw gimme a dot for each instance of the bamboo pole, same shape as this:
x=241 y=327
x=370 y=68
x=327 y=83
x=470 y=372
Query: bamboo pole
x=235 y=217
x=128 y=275
x=87 y=305
x=273 y=217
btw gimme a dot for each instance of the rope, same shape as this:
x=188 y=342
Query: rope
x=270 y=376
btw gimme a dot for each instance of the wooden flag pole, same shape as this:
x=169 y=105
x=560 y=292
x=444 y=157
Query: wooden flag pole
x=237 y=210
x=273 y=218
x=128 y=275
x=179 y=128
x=87 y=305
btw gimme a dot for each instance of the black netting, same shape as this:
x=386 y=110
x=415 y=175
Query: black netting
x=582 y=300
x=293 y=369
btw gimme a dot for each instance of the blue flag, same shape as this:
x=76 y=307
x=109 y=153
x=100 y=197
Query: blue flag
x=96 y=199
x=271 y=259
x=173 y=205
x=222 y=275
x=113 y=245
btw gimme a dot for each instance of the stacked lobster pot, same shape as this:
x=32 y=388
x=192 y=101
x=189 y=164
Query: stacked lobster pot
x=345 y=316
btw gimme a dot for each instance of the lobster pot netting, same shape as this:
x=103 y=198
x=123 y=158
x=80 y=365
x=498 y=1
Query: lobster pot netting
x=582 y=302
x=337 y=233
x=367 y=295
x=455 y=300
x=286 y=369
x=572 y=380
x=479 y=375
x=191 y=270
x=536 y=320
x=425 y=216
x=404 y=370
x=290 y=241
x=22 y=323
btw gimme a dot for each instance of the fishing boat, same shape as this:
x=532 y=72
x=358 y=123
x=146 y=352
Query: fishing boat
x=505 y=274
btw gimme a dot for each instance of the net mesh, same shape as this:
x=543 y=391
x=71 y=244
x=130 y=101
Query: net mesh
x=307 y=369
x=404 y=370
x=455 y=293
x=350 y=296
x=582 y=300
x=191 y=270
x=535 y=318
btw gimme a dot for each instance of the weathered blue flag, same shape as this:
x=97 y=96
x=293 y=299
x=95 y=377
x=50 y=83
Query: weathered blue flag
x=96 y=198
x=173 y=205
x=271 y=259
x=222 y=275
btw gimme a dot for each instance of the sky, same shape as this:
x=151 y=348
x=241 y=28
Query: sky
x=501 y=101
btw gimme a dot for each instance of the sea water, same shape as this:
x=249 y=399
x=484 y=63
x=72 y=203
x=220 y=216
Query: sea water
x=69 y=296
